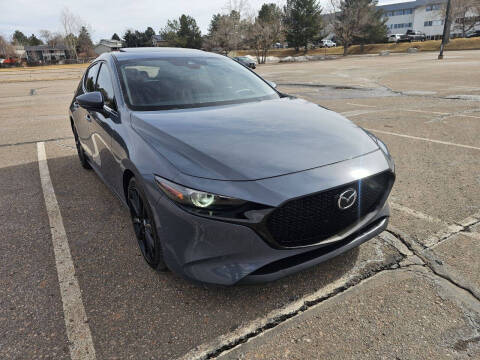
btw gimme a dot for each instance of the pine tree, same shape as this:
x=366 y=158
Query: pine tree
x=303 y=22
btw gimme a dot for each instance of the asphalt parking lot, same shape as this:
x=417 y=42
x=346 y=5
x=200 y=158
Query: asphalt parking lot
x=411 y=293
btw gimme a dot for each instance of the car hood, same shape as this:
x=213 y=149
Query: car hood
x=253 y=140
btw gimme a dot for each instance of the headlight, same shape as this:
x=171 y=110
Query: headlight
x=195 y=198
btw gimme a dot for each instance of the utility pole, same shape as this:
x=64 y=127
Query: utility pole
x=446 y=30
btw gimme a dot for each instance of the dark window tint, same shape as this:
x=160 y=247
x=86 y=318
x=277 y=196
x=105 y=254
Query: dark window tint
x=105 y=86
x=171 y=82
x=91 y=77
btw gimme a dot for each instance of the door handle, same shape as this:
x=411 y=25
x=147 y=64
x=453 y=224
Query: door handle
x=88 y=118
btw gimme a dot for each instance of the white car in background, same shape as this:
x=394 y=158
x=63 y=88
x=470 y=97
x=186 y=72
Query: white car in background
x=328 y=43
x=394 y=38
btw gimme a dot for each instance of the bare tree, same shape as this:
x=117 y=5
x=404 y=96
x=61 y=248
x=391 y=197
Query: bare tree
x=71 y=24
x=465 y=15
x=353 y=20
x=52 y=38
x=228 y=31
x=6 y=49
x=265 y=30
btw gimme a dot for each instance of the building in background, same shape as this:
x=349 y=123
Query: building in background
x=158 y=40
x=106 y=45
x=421 y=15
x=45 y=54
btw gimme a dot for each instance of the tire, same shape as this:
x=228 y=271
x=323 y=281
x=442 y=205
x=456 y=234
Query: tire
x=144 y=226
x=81 y=153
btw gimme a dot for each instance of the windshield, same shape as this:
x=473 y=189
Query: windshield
x=175 y=83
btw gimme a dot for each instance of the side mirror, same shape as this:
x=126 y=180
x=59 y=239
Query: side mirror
x=272 y=84
x=91 y=101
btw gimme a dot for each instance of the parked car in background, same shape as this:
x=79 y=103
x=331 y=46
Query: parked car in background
x=413 y=35
x=246 y=61
x=395 y=38
x=474 y=34
x=328 y=44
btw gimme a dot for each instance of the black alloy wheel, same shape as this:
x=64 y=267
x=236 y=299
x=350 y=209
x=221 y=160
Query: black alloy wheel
x=144 y=227
x=80 y=151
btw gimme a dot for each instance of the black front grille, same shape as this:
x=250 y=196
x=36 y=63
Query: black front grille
x=313 y=218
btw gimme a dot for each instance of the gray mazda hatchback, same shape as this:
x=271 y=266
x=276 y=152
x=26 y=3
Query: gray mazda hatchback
x=227 y=180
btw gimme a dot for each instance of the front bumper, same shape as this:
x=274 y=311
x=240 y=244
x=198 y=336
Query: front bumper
x=217 y=252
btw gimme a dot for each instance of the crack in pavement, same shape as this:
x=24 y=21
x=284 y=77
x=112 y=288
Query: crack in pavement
x=229 y=341
x=435 y=264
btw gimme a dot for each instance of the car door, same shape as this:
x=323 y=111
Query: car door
x=101 y=126
x=81 y=116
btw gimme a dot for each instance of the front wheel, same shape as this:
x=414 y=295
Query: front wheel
x=81 y=153
x=144 y=227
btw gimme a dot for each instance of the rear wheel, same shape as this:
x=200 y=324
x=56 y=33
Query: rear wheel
x=80 y=151
x=144 y=227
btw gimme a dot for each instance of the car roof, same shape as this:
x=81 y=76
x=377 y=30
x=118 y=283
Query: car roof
x=154 y=52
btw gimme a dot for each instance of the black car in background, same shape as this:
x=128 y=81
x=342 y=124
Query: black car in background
x=245 y=61
x=476 y=33
x=413 y=35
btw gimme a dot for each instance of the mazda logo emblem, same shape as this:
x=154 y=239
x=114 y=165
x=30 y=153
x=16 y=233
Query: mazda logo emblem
x=347 y=199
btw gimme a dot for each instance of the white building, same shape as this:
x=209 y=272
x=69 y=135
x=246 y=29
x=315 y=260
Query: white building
x=106 y=45
x=421 y=15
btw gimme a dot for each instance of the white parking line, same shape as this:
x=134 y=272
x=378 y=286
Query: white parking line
x=78 y=331
x=425 y=139
x=417 y=214
x=357 y=112
x=428 y=112
x=362 y=105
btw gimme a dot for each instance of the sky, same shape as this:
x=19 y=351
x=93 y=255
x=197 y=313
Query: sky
x=114 y=16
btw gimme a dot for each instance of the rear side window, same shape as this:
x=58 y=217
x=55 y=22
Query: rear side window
x=91 y=77
x=105 y=86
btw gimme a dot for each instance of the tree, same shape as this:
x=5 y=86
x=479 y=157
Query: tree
x=189 y=32
x=303 y=22
x=356 y=20
x=71 y=24
x=130 y=39
x=147 y=37
x=229 y=31
x=19 y=38
x=34 y=41
x=183 y=32
x=84 y=42
x=52 y=39
x=6 y=49
x=465 y=15
x=135 y=38
x=374 y=30
x=115 y=37
x=265 y=30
